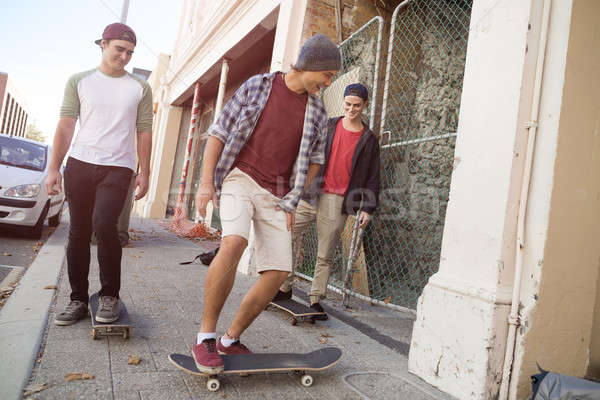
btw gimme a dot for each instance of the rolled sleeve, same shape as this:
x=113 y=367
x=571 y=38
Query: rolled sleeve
x=225 y=123
x=317 y=149
x=218 y=132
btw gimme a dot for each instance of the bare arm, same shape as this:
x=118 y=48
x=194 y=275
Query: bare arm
x=313 y=170
x=62 y=141
x=144 y=151
x=206 y=191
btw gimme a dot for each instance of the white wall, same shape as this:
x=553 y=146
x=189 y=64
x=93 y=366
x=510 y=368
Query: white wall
x=459 y=336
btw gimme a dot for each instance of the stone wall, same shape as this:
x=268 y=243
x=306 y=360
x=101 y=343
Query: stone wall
x=423 y=102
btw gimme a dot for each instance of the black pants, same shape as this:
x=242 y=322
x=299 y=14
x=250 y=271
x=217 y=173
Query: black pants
x=96 y=194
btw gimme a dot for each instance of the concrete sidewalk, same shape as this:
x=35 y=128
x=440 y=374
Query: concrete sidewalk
x=165 y=302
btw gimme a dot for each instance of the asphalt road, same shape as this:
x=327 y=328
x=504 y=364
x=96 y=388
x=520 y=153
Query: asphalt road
x=16 y=249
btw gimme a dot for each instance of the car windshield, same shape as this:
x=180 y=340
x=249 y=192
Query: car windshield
x=22 y=154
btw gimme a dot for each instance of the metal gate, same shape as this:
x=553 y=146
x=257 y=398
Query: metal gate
x=419 y=117
x=361 y=54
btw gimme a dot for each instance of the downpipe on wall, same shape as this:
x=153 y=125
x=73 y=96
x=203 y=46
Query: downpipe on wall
x=531 y=125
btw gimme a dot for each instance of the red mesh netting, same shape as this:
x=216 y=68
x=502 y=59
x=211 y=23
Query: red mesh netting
x=183 y=227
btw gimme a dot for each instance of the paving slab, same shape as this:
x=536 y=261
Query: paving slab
x=165 y=301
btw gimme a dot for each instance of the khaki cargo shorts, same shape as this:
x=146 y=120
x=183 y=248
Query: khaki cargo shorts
x=244 y=201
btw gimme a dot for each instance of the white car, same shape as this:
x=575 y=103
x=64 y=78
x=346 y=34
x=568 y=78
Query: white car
x=24 y=202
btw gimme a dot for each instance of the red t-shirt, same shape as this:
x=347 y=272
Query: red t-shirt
x=270 y=153
x=337 y=174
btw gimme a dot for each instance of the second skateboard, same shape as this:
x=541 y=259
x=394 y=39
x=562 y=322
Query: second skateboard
x=299 y=311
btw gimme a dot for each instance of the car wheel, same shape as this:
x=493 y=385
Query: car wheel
x=55 y=220
x=36 y=231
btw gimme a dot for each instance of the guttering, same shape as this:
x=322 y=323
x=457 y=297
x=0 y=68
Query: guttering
x=531 y=125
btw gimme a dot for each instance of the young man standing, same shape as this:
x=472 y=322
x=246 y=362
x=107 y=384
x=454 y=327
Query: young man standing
x=348 y=181
x=112 y=105
x=266 y=144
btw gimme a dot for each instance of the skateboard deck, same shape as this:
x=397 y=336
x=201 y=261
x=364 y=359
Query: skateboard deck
x=244 y=364
x=121 y=327
x=299 y=311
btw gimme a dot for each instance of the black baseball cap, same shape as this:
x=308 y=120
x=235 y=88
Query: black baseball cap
x=356 y=89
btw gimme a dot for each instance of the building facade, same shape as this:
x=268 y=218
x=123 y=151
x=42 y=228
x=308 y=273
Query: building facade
x=14 y=112
x=488 y=114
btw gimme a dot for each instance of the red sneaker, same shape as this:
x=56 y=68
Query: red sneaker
x=207 y=358
x=235 y=348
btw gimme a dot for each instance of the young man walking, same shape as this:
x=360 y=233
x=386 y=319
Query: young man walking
x=347 y=181
x=266 y=144
x=111 y=105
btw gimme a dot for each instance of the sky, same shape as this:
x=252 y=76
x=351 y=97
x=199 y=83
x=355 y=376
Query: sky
x=44 y=42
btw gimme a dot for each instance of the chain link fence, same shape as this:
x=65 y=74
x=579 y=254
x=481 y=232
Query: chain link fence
x=361 y=53
x=419 y=116
x=360 y=64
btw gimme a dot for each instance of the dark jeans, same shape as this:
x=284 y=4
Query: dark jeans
x=96 y=194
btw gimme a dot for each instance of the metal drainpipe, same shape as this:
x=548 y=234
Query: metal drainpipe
x=188 y=151
x=513 y=318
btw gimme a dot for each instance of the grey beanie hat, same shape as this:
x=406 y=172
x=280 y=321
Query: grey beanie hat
x=318 y=53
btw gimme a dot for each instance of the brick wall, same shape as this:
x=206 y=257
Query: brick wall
x=320 y=17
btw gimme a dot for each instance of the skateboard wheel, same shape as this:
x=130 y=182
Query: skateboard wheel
x=293 y=321
x=306 y=380
x=94 y=334
x=126 y=334
x=213 y=384
x=311 y=320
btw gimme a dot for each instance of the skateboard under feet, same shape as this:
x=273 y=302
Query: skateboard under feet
x=245 y=364
x=121 y=327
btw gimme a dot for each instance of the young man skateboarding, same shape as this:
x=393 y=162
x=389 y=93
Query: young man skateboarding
x=347 y=182
x=266 y=144
x=111 y=105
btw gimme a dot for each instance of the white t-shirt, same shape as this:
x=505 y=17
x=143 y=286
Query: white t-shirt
x=110 y=110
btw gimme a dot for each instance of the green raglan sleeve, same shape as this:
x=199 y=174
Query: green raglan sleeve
x=70 y=104
x=145 y=113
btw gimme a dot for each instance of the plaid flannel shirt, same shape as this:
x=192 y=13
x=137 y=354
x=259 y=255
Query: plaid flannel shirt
x=238 y=119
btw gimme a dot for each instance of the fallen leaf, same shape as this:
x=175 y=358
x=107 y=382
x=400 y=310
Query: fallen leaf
x=322 y=340
x=34 y=388
x=326 y=335
x=51 y=287
x=6 y=290
x=133 y=360
x=77 y=377
x=7 y=254
x=224 y=396
x=387 y=299
x=39 y=244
